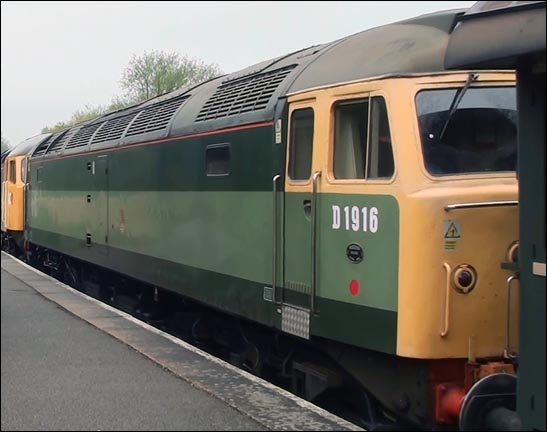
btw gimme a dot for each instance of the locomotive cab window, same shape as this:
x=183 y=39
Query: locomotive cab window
x=24 y=170
x=12 y=172
x=217 y=160
x=362 y=140
x=301 y=143
x=476 y=135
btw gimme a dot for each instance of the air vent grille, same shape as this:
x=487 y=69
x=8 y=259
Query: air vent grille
x=152 y=118
x=82 y=137
x=155 y=117
x=113 y=129
x=58 y=144
x=43 y=147
x=245 y=95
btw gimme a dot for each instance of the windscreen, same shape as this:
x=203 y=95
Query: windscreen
x=479 y=134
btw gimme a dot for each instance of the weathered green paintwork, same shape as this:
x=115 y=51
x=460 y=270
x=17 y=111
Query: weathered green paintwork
x=228 y=293
x=198 y=242
x=171 y=166
x=377 y=273
x=210 y=238
x=223 y=232
x=353 y=324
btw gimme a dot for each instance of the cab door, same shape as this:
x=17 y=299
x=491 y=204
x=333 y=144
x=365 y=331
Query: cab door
x=297 y=293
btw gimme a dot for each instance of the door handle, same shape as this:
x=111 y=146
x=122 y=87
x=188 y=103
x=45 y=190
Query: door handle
x=307 y=208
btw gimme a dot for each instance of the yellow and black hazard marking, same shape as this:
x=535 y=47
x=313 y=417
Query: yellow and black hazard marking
x=452 y=234
x=453 y=231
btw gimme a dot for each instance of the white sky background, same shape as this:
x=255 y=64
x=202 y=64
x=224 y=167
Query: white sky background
x=58 y=57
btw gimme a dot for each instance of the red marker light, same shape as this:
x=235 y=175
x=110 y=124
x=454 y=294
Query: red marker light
x=354 y=287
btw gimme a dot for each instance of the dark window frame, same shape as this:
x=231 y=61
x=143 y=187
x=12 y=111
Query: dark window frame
x=12 y=172
x=427 y=160
x=291 y=155
x=214 y=147
x=366 y=147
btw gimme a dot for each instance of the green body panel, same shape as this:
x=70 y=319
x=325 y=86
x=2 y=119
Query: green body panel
x=156 y=206
x=357 y=325
x=210 y=238
x=367 y=317
x=171 y=166
x=230 y=294
x=377 y=273
x=297 y=250
x=222 y=232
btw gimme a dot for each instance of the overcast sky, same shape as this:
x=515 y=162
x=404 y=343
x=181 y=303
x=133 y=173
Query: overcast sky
x=58 y=57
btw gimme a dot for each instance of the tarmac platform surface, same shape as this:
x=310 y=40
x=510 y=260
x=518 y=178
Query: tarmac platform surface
x=97 y=368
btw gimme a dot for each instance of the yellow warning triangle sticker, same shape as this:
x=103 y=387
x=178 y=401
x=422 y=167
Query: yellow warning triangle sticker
x=452 y=232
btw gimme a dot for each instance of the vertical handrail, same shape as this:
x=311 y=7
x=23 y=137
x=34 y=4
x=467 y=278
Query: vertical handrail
x=4 y=201
x=315 y=177
x=26 y=198
x=448 y=270
x=274 y=258
x=24 y=207
x=507 y=350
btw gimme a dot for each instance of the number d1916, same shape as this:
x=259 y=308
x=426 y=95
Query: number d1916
x=355 y=218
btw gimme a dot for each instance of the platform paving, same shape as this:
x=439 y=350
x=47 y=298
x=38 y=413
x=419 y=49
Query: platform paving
x=70 y=362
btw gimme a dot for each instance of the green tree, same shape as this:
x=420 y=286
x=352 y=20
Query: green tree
x=157 y=72
x=146 y=76
x=86 y=114
x=82 y=115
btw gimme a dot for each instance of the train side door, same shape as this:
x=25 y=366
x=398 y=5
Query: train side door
x=295 y=297
x=97 y=201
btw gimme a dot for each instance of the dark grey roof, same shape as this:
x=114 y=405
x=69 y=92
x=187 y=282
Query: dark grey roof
x=412 y=46
x=391 y=49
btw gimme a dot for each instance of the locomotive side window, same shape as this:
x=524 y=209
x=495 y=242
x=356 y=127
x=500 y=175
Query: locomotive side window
x=479 y=136
x=218 y=160
x=24 y=170
x=12 y=172
x=300 y=160
x=350 y=139
x=362 y=140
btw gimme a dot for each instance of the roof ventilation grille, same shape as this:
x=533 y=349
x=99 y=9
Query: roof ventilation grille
x=83 y=136
x=156 y=117
x=113 y=129
x=41 y=149
x=245 y=95
x=58 y=144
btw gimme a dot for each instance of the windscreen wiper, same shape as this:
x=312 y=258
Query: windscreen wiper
x=456 y=101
